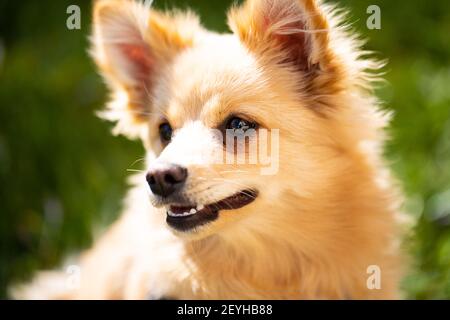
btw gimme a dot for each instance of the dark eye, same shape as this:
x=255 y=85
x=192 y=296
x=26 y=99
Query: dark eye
x=165 y=132
x=237 y=123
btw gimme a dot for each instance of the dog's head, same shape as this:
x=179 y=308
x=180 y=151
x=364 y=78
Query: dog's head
x=240 y=128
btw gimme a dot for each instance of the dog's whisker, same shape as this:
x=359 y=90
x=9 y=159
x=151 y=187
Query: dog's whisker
x=135 y=170
x=136 y=161
x=226 y=202
x=248 y=194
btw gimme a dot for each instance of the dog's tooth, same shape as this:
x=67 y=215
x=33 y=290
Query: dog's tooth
x=193 y=210
x=200 y=207
x=186 y=214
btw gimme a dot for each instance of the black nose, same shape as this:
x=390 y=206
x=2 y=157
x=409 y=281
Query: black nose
x=166 y=180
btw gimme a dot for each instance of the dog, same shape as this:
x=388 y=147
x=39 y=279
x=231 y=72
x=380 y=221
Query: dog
x=313 y=225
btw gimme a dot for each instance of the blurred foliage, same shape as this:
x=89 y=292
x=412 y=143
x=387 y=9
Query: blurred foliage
x=62 y=173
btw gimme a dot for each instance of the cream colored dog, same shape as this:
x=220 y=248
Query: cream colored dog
x=198 y=228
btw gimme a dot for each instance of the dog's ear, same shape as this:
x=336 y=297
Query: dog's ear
x=131 y=44
x=294 y=32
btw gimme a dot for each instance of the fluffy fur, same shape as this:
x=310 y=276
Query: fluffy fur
x=316 y=226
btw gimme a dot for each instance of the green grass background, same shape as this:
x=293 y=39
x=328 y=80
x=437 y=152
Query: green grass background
x=62 y=173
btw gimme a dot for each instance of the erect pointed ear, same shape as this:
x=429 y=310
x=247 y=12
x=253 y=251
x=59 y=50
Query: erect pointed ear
x=131 y=44
x=289 y=31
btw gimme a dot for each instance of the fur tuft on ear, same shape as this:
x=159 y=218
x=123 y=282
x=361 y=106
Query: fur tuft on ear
x=131 y=44
x=293 y=31
x=311 y=39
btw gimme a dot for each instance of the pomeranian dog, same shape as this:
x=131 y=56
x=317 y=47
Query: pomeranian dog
x=314 y=217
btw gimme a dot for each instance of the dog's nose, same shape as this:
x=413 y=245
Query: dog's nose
x=165 y=181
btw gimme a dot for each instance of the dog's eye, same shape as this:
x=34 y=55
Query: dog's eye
x=237 y=123
x=165 y=132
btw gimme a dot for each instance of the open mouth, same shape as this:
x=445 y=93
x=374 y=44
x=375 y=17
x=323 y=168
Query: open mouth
x=186 y=217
